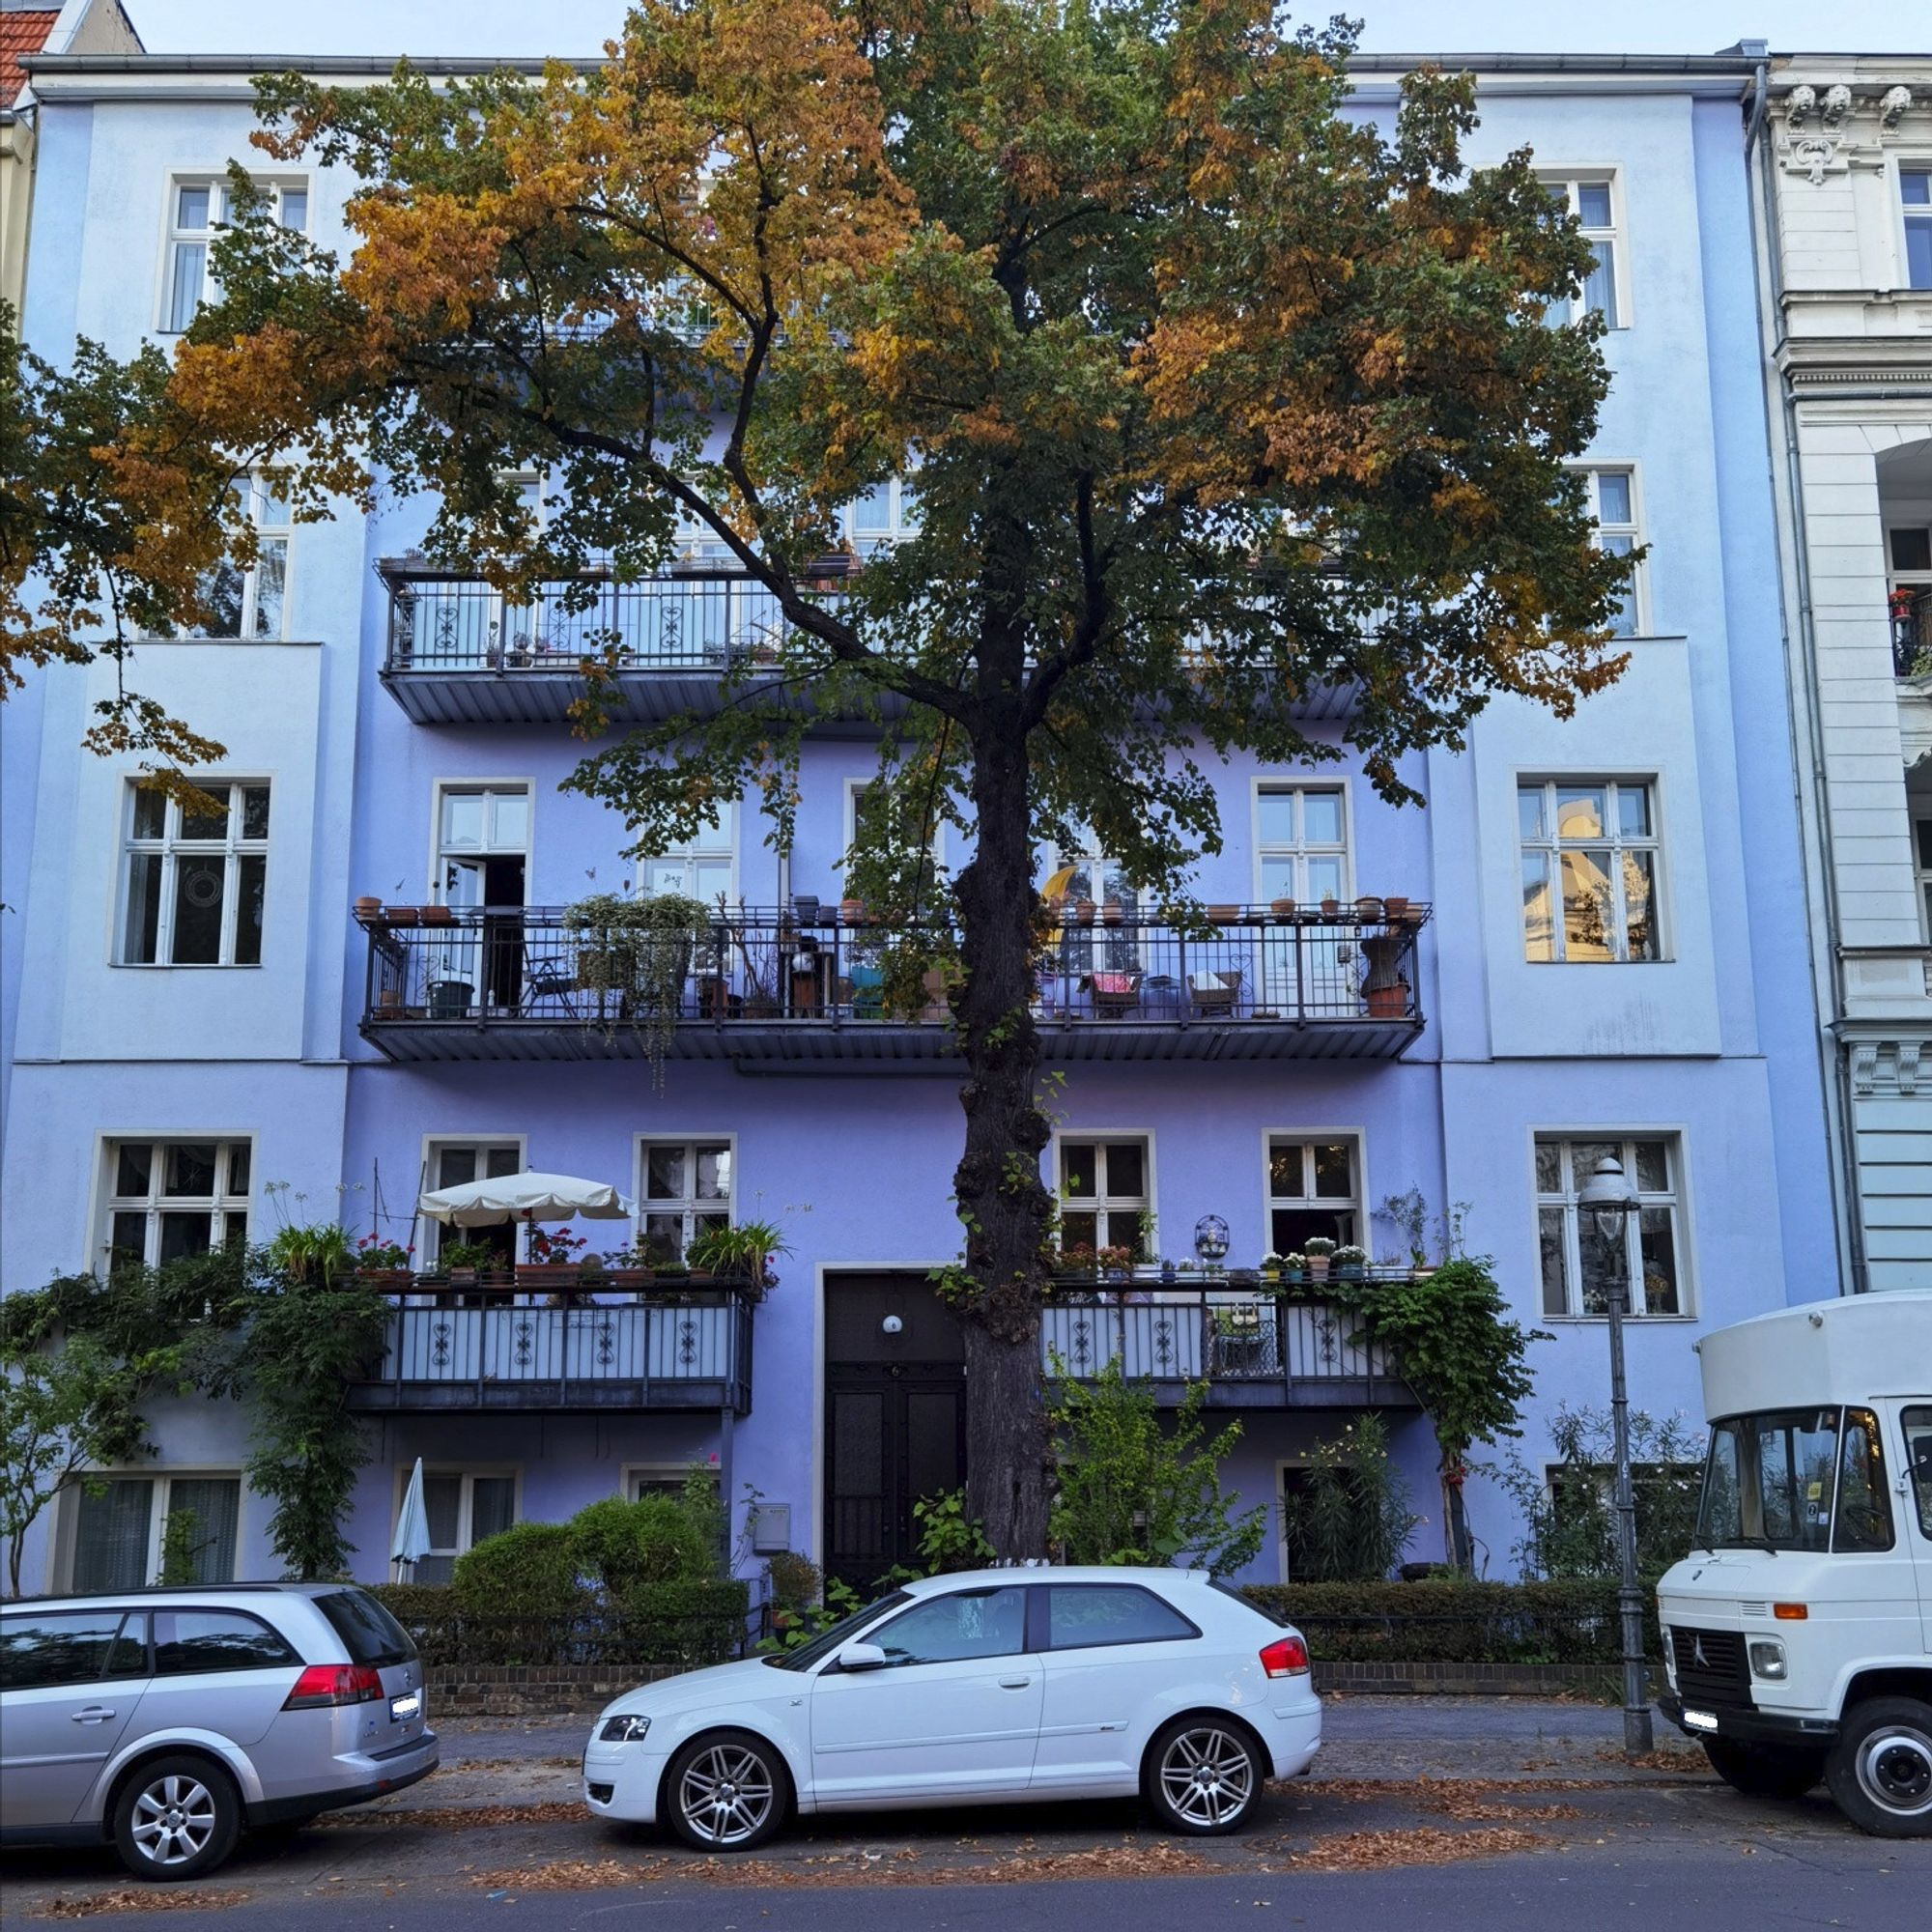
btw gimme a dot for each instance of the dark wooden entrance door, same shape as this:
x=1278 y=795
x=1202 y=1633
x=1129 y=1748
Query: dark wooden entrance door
x=895 y=1417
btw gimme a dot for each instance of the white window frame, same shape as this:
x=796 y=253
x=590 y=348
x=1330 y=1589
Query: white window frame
x=1676 y=1198
x=1630 y=534
x=1551 y=847
x=1909 y=214
x=687 y=1205
x=466 y=1507
x=701 y=850
x=1107 y=1204
x=432 y=1148
x=67 y=1531
x=865 y=538
x=266 y=508
x=1922 y=860
x=1300 y=849
x=1308 y=1139
x=443 y=790
x=171 y=848
x=176 y=235
x=1570 y=178
x=223 y=1202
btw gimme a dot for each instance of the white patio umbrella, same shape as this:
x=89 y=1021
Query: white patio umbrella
x=412 y=1544
x=524 y=1197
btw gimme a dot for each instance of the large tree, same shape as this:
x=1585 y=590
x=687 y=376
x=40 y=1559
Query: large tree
x=1214 y=394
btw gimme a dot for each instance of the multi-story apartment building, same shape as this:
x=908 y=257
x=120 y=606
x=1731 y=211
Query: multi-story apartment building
x=1597 y=955
x=1842 y=181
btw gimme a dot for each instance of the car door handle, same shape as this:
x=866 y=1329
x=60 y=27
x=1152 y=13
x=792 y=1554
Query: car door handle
x=1015 y=1683
x=94 y=1714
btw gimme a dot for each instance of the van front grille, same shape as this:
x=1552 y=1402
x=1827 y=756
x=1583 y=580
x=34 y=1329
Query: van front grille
x=1711 y=1666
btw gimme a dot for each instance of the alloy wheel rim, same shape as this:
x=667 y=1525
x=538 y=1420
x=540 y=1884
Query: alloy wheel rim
x=1207 y=1776
x=174 y=1819
x=726 y=1794
x=1895 y=1770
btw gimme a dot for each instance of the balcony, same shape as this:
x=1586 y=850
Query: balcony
x=1252 y=1345
x=768 y=990
x=1911 y=610
x=460 y=652
x=480 y=1350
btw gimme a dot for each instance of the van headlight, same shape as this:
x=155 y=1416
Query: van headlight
x=1767 y=1658
x=629 y=1729
x=1669 y=1656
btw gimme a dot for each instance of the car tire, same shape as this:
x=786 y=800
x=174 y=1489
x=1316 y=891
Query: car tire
x=176 y=1818
x=1203 y=1775
x=727 y=1791
x=1765 y=1771
x=1880 y=1769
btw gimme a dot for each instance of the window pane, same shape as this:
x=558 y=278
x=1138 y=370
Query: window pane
x=211 y=1506
x=110 y=1550
x=127 y=1239
x=462 y=820
x=1322 y=817
x=497 y=1161
x=271 y=565
x=1275 y=817
x=442 y=1509
x=1916 y=187
x=1285 y=1169
x=664 y=1173
x=39 y=1653
x=184 y=1234
x=873 y=511
x=1588 y=922
x=1555 y=1266
x=1652 y=1167
x=1079 y=1230
x=1079 y=1170
x=187 y=1641
x=1334 y=1171
x=1097 y=1613
x=132 y=1166
x=189 y=1171
x=1864 y=1520
x=456 y=1166
x=192 y=207
x=1613 y=495
x=1599 y=286
x=664 y=1236
x=493 y=1506
x=127 y=1654
x=1912 y=549
x=1127 y=1168
x=1640 y=905
x=975 y=1622
x=1549 y=1168
x=1585 y=1156
x=1919 y=254
x=185 y=285
x=1657 y=1240
x=142 y=932
x=1529 y=811
x=238 y=1153
x=1579 y=812
x=294 y=208
x=198 y=822
x=510 y=815
x=251 y=883
x=1633 y=811
x=1593 y=204
x=254 y=811
x=1325 y=879
x=151 y=814
x=714 y=1172
x=1539 y=927
x=1918 y=1426
x=198 y=893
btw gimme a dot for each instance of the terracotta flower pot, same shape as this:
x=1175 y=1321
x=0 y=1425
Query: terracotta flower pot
x=1223 y=915
x=1282 y=908
x=439 y=915
x=403 y=915
x=1367 y=907
x=1395 y=905
x=1388 y=1003
x=1330 y=908
x=1113 y=912
x=852 y=911
x=1083 y=911
x=367 y=908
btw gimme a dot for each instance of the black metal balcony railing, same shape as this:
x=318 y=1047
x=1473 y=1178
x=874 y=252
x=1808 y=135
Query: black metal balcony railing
x=496 y=1350
x=1252 y=1344
x=1911 y=632
x=520 y=982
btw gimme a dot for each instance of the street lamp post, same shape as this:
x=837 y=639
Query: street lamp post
x=1610 y=1200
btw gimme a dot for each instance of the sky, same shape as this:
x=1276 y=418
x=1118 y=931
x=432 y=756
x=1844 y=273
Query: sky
x=579 y=27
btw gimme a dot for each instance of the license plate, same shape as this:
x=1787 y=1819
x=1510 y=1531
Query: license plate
x=1701 y=1720
x=409 y=1705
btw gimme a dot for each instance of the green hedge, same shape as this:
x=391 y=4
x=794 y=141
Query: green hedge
x=1568 y=1621
x=684 y=1623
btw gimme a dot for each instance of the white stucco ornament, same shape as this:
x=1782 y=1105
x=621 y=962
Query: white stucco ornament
x=1803 y=100
x=1891 y=108
x=1812 y=156
x=1838 y=103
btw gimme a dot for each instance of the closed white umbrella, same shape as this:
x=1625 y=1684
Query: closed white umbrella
x=412 y=1544
x=524 y=1197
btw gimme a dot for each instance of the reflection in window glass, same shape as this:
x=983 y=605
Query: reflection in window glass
x=1863 y=1508
x=1589 y=893
x=947 y=1629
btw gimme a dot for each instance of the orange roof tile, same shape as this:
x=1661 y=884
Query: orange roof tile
x=21 y=34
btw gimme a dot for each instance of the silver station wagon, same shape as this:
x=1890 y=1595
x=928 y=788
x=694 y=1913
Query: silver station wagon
x=170 y=1720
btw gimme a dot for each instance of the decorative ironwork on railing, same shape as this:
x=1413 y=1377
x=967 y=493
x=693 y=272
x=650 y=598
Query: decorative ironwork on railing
x=507 y=967
x=1229 y=1332
x=489 y=1349
x=1910 y=609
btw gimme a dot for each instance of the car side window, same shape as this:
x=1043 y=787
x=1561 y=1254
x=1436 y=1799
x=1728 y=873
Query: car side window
x=1865 y=1509
x=1079 y=1615
x=187 y=1641
x=948 y=1629
x=39 y=1653
x=128 y=1653
x=1918 y=1463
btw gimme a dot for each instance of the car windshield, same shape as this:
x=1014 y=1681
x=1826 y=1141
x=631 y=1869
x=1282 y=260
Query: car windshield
x=827 y=1641
x=1776 y=1480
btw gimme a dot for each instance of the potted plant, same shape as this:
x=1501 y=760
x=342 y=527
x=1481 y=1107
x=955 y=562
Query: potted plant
x=1396 y=908
x=383 y=1262
x=439 y=915
x=1116 y=1264
x=368 y=908
x=1383 y=987
x=1350 y=1261
x=552 y=1262
x=1282 y=908
x=464 y=1261
x=402 y=914
x=1318 y=1248
x=1112 y=912
x=1367 y=908
x=1331 y=908
x=1271 y=1268
x=1225 y=915
x=1293 y=1267
x=627 y=1267
x=745 y=1254
x=639 y=949
x=1083 y=911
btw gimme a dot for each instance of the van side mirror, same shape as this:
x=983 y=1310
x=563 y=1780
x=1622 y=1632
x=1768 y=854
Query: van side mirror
x=862 y=1656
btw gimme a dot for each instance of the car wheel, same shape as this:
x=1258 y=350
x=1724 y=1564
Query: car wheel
x=175 y=1818
x=726 y=1792
x=1202 y=1777
x=1880 y=1770
x=1765 y=1771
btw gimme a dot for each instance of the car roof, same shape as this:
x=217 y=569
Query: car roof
x=1057 y=1573
x=198 y=1591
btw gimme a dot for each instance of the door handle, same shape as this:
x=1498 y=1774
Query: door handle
x=94 y=1714
x=1015 y=1683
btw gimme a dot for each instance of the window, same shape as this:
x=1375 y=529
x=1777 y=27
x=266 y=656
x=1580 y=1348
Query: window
x=1577 y=1267
x=1313 y=1190
x=456 y=1164
x=1590 y=852
x=885 y=515
x=122 y=1528
x=701 y=869
x=1863 y=1520
x=1915 y=192
x=1918 y=1424
x=187 y=1641
x=1086 y=1615
x=1769 y=1480
x=1592 y=200
x=1106 y=1199
x=41 y=1653
x=952 y=1630
x=462 y=1510
x=1921 y=855
x=166 y=1199
x=1301 y=843
x=369 y=1633
x=196 y=879
x=687 y=1191
x=1612 y=502
x=197 y=211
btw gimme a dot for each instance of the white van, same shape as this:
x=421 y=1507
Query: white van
x=1798 y=1632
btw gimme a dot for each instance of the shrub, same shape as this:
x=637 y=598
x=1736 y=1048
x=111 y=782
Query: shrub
x=530 y=1570
x=797 y=1581
x=1351 y=1520
x=628 y=1545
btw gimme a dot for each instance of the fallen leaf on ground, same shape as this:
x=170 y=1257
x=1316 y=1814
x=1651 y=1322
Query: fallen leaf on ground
x=1420 y=1845
x=1693 y=1762
x=571 y=1875
x=463 y=1817
x=149 y=1898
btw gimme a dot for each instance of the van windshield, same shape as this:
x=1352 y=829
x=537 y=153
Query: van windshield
x=1787 y=1478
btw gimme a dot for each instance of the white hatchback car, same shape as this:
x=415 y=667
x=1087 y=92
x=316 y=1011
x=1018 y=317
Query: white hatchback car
x=988 y=1686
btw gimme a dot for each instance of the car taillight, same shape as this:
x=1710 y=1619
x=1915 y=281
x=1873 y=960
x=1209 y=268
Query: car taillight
x=1286 y=1657
x=323 y=1684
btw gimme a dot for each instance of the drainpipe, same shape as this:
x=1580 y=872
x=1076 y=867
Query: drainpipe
x=1805 y=726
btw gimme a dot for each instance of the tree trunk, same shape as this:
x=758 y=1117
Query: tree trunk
x=1002 y=1202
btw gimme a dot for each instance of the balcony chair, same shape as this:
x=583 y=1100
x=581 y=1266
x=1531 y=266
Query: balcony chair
x=549 y=979
x=1212 y=995
x=1116 y=995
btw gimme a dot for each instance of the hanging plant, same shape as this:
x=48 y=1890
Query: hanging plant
x=636 y=954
